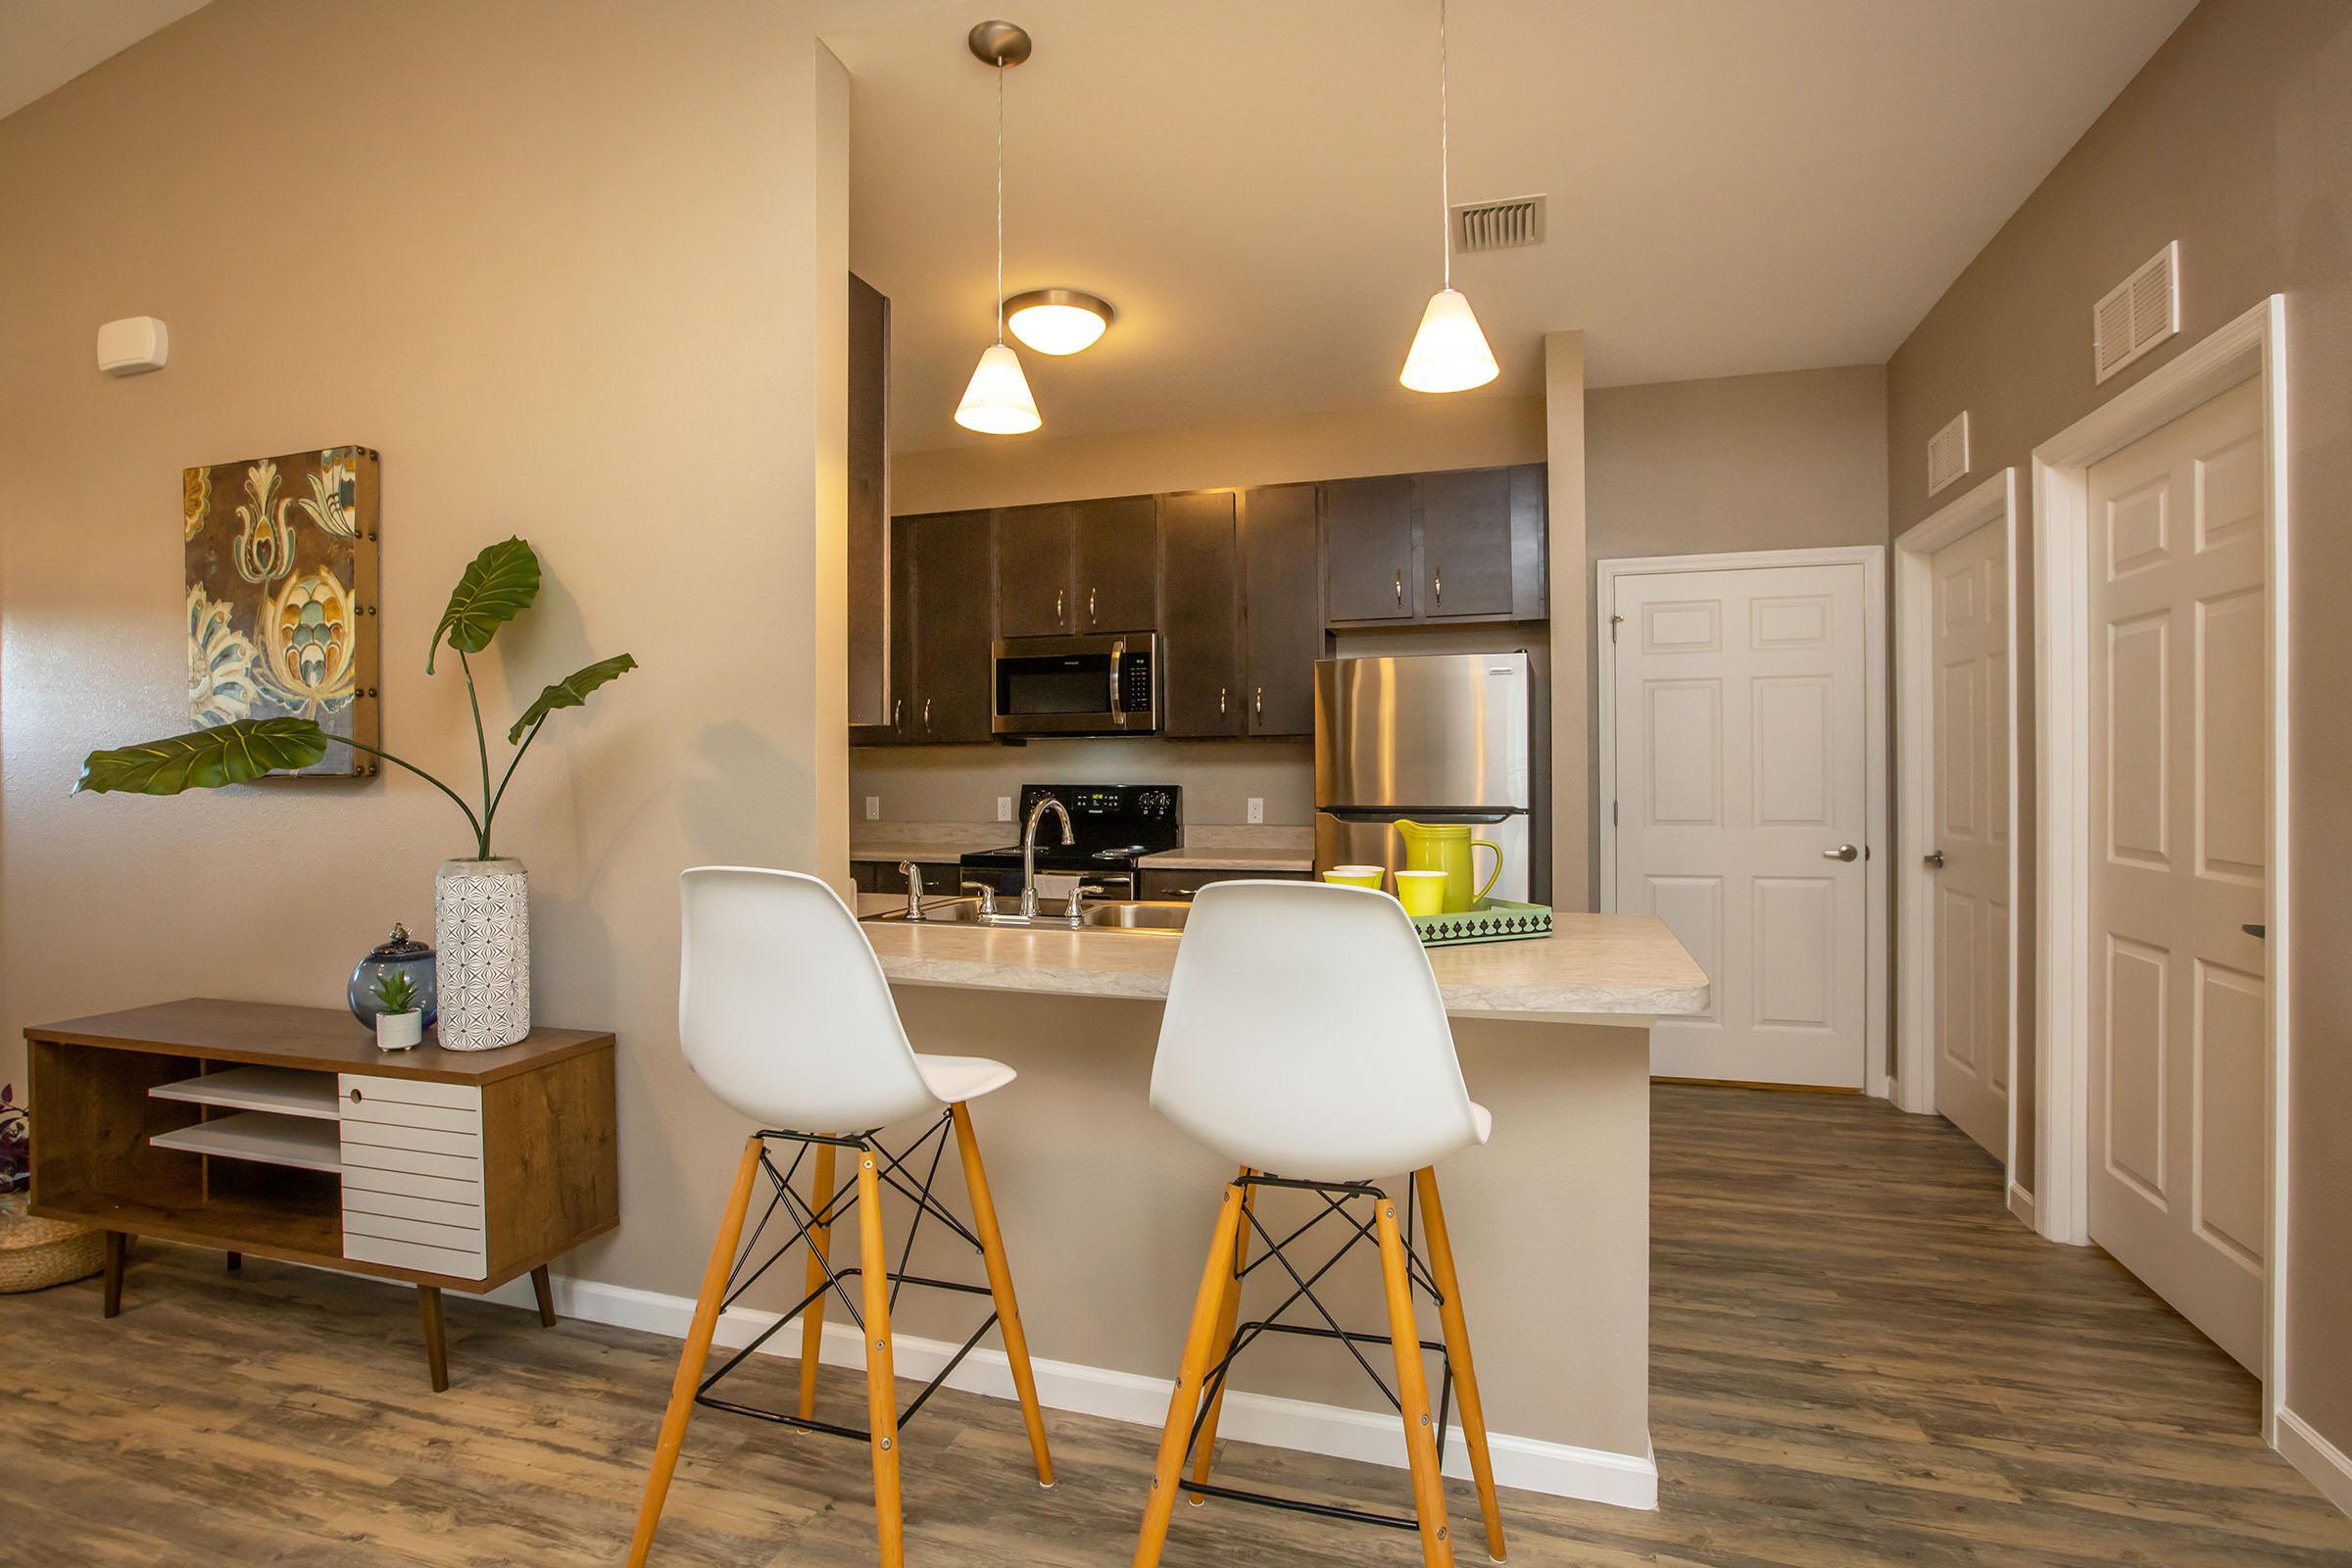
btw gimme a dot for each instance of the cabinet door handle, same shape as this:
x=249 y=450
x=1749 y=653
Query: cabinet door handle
x=1057 y=604
x=1401 y=590
x=1262 y=701
x=1436 y=584
x=355 y=1096
x=1220 y=702
x=926 y=715
x=897 y=715
x=1090 y=606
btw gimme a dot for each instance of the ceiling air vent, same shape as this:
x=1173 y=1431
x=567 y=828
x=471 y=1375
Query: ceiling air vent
x=1947 y=453
x=1499 y=225
x=2137 y=313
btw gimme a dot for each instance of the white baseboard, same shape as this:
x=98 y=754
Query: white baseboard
x=2021 y=1203
x=1593 y=1475
x=2322 y=1462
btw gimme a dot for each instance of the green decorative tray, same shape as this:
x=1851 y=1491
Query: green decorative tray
x=1493 y=920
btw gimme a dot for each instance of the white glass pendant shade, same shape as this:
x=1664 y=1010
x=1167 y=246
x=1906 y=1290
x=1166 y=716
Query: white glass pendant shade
x=997 y=400
x=1449 y=353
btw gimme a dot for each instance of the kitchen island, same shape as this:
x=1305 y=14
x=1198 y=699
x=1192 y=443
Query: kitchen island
x=1108 y=1208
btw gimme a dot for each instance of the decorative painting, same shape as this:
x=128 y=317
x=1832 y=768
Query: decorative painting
x=282 y=595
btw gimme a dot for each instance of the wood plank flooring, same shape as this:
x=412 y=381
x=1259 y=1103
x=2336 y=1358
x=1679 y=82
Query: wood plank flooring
x=1858 y=1358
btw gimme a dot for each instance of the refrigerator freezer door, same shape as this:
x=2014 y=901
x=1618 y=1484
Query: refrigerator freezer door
x=1368 y=838
x=1427 y=730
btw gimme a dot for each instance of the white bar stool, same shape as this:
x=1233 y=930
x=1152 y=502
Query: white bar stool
x=1306 y=1041
x=784 y=1013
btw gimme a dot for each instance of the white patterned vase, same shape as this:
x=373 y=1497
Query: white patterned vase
x=482 y=929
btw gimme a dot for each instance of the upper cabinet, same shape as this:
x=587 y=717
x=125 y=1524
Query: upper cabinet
x=1462 y=545
x=1078 y=567
x=1200 y=687
x=1283 y=636
x=940 y=670
x=869 y=563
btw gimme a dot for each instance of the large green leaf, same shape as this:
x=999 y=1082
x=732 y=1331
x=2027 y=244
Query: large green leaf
x=572 y=691
x=206 y=758
x=499 y=585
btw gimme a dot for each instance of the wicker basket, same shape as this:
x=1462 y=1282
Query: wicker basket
x=36 y=1253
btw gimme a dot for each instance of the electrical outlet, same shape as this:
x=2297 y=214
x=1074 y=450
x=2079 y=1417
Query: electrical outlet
x=874 y=807
x=1003 y=807
x=1258 y=808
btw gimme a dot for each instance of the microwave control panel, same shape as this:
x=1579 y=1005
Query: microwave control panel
x=1135 y=683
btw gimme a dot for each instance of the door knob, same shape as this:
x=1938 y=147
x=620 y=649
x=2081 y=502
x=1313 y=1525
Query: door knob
x=1933 y=860
x=1844 y=851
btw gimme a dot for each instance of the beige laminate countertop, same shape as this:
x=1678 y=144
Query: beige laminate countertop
x=1592 y=967
x=1229 y=858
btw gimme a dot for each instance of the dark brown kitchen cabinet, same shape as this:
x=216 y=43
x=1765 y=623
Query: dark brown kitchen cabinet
x=873 y=674
x=953 y=695
x=1201 y=692
x=1465 y=542
x=1078 y=567
x=1283 y=636
x=1180 y=886
x=1368 y=569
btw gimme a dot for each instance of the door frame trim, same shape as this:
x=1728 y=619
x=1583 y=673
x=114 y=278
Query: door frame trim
x=1992 y=501
x=1872 y=559
x=2251 y=347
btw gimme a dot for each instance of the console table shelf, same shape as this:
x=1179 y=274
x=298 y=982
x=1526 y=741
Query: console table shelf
x=294 y=1137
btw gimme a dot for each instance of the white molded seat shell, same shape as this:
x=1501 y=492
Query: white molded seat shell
x=1305 y=1035
x=784 y=1013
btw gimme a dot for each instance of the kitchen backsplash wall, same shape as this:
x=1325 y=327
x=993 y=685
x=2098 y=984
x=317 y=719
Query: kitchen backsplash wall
x=961 y=783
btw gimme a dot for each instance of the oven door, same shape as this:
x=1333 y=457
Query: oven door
x=1102 y=685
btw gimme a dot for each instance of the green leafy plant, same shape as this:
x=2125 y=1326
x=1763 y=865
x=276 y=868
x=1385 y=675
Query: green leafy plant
x=499 y=585
x=397 y=992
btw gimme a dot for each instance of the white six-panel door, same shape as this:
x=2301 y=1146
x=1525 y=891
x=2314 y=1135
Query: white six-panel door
x=1970 y=639
x=1740 y=714
x=2180 y=726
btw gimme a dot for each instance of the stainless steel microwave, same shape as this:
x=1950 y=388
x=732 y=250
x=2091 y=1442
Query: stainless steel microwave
x=1103 y=684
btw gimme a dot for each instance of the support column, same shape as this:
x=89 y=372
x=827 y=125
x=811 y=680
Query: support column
x=1570 y=599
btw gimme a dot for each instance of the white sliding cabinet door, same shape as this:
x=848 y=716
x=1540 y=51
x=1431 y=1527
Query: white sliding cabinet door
x=2179 y=741
x=1740 y=732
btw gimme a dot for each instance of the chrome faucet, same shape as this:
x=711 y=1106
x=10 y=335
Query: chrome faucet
x=913 y=874
x=986 y=892
x=1069 y=836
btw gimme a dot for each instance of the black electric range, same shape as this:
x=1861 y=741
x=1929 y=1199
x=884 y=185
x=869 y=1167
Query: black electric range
x=1116 y=826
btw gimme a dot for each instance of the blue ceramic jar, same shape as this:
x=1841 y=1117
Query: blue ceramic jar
x=397 y=954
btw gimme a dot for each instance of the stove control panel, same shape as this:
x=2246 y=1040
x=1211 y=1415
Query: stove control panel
x=1113 y=815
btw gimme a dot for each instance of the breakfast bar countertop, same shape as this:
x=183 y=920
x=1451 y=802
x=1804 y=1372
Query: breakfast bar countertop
x=1594 y=967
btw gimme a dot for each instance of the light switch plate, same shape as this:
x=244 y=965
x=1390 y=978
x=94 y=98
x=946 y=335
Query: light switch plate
x=1258 y=808
x=1003 y=807
x=874 y=807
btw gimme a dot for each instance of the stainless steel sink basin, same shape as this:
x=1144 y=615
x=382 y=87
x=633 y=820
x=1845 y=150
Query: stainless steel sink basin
x=1139 y=917
x=1111 y=915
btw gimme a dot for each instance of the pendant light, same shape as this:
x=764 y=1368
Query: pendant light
x=1449 y=353
x=997 y=400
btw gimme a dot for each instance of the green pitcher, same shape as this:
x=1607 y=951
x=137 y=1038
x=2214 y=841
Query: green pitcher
x=1446 y=847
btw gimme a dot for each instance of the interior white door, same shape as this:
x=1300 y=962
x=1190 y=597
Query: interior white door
x=1971 y=856
x=1739 y=792
x=2180 y=727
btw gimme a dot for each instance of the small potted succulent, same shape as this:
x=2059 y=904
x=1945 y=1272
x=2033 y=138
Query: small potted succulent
x=401 y=1025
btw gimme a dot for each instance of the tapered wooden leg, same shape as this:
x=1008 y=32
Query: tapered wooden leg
x=545 y=1290
x=1222 y=1345
x=1458 y=1353
x=812 y=1316
x=118 y=1247
x=696 y=1353
x=1000 y=1285
x=1216 y=1276
x=881 y=1387
x=1412 y=1392
x=236 y=1262
x=436 y=1339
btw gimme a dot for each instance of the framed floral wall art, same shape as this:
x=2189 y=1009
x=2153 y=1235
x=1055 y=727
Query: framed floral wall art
x=282 y=595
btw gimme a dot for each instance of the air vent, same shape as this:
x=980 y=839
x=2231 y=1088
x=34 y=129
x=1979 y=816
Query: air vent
x=2137 y=313
x=1499 y=225
x=1947 y=454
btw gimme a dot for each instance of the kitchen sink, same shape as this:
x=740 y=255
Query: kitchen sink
x=1109 y=914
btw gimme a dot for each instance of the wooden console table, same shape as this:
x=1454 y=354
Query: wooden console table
x=285 y=1133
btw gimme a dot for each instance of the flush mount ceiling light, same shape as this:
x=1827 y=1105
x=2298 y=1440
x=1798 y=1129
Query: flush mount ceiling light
x=997 y=400
x=1449 y=353
x=1058 y=321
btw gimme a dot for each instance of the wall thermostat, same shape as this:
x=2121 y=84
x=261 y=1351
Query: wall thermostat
x=133 y=345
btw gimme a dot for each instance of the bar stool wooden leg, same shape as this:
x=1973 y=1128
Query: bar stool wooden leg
x=1198 y=1353
x=1222 y=1345
x=812 y=1316
x=1000 y=1285
x=1457 y=1352
x=881 y=1389
x=696 y=1353
x=1412 y=1392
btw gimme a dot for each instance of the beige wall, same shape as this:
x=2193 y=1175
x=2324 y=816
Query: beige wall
x=560 y=260
x=1779 y=462
x=2237 y=140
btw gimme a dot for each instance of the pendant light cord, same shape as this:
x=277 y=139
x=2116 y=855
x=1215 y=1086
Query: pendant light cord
x=1000 y=201
x=1445 y=161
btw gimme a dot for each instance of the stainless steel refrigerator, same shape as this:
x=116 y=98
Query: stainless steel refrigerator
x=1433 y=737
